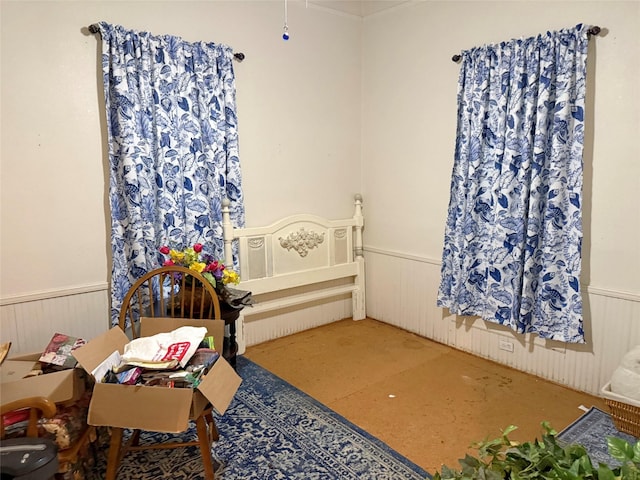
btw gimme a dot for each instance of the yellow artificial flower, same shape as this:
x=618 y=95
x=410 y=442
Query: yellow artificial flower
x=197 y=266
x=176 y=256
x=229 y=276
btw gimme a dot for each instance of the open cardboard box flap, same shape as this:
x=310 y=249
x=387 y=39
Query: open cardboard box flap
x=155 y=408
x=59 y=387
x=94 y=352
x=13 y=370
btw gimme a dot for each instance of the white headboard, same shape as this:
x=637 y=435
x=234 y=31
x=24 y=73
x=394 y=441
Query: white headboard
x=298 y=260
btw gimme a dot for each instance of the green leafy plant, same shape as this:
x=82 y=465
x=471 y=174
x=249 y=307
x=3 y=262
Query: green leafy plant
x=503 y=459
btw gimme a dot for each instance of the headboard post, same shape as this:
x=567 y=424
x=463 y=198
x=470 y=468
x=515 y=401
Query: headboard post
x=227 y=232
x=359 y=220
x=359 y=298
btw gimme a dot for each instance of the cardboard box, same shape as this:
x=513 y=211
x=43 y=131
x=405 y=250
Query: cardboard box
x=158 y=409
x=60 y=387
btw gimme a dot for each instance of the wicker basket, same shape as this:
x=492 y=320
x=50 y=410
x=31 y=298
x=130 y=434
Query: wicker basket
x=624 y=411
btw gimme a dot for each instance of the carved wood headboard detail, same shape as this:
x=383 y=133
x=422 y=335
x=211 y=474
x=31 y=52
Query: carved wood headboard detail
x=324 y=256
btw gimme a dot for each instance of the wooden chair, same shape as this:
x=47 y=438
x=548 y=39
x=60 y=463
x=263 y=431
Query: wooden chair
x=36 y=408
x=175 y=292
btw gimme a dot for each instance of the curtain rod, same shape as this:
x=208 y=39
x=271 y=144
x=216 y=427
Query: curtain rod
x=96 y=29
x=595 y=30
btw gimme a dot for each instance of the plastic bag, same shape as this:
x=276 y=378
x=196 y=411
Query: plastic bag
x=164 y=350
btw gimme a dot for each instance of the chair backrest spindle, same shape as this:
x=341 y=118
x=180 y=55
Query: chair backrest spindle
x=186 y=294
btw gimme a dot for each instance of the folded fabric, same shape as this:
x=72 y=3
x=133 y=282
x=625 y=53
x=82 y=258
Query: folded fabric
x=69 y=423
x=164 y=350
x=625 y=380
x=64 y=428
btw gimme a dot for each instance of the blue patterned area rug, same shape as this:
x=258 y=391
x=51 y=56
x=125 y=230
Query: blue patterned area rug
x=272 y=430
x=591 y=431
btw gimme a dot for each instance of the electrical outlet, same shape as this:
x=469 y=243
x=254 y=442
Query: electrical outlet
x=505 y=345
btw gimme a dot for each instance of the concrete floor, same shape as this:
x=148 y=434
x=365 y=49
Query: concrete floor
x=425 y=400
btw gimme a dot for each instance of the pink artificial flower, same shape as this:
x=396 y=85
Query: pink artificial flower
x=164 y=250
x=168 y=263
x=212 y=267
x=197 y=247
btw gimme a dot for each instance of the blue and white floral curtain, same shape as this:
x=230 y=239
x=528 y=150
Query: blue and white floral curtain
x=173 y=148
x=512 y=247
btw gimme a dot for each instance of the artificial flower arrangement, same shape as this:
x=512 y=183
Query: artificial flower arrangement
x=193 y=258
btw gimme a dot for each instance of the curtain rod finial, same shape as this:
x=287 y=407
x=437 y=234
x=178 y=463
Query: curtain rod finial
x=595 y=30
x=456 y=58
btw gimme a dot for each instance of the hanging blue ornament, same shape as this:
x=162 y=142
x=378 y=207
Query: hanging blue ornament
x=285 y=32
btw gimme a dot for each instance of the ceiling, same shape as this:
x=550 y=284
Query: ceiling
x=361 y=8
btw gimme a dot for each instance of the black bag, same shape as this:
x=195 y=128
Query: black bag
x=236 y=299
x=28 y=459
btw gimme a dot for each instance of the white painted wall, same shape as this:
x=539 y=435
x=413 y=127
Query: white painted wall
x=408 y=112
x=298 y=110
x=299 y=124
x=345 y=106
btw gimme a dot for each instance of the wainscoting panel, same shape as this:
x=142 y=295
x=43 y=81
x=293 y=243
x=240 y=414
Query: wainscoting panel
x=29 y=322
x=402 y=290
x=267 y=326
